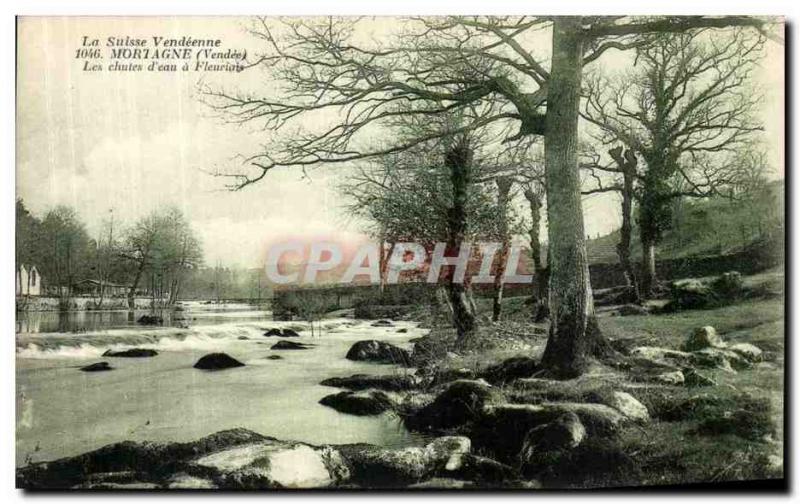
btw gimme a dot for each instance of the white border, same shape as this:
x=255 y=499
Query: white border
x=307 y=7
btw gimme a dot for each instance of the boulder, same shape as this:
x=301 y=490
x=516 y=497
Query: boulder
x=382 y=323
x=132 y=352
x=442 y=484
x=410 y=404
x=598 y=419
x=510 y=369
x=467 y=466
x=461 y=402
x=128 y=461
x=289 y=345
x=290 y=333
x=669 y=378
x=748 y=351
x=701 y=338
x=150 y=320
x=656 y=371
x=97 y=366
x=442 y=376
x=502 y=428
x=273 y=332
x=272 y=464
x=402 y=330
x=378 y=351
x=720 y=358
x=632 y=309
x=662 y=355
x=392 y=383
x=728 y=286
x=689 y=293
x=693 y=378
x=692 y=293
x=243 y=338
x=361 y=403
x=563 y=433
x=384 y=467
x=183 y=481
x=273 y=357
x=628 y=406
x=216 y=361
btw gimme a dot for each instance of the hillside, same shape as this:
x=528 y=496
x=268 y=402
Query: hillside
x=709 y=227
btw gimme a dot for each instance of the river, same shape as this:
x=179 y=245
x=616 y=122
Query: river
x=62 y=411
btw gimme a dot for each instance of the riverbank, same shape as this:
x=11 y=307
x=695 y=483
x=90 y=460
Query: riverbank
x=668 y=414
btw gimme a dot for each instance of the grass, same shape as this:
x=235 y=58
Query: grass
x=708 y=227
x=730 y=431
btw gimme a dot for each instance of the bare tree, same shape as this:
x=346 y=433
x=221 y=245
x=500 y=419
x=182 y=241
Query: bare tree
x=323 y=66
x=627 y=177
x=429 y=195
x=686 y=110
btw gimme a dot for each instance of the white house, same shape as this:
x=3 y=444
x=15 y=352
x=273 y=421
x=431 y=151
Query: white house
x=28 y=282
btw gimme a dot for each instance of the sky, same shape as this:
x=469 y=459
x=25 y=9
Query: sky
x=127 y=143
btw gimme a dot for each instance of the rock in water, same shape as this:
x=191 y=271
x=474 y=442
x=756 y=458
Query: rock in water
x=382 y=323
x=133 y=352
x=150 y=320
x=274 y=357
x=378 y=351
x=289 y=345
x=364 y=403
x=392 y=383
x=702 y=337
x=97 y=366
x=273 y=332
x=290 y=333
x=217 y=361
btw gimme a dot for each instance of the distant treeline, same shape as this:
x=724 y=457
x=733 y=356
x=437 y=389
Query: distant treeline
x=152 y=256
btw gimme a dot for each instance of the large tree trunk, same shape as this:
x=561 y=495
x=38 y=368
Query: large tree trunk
x=503 y=189
x=458 y=160
x=627 y=163
x=574 y=333
x=649 y=229
x=649 y=278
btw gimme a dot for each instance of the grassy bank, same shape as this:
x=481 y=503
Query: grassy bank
x=726 y=431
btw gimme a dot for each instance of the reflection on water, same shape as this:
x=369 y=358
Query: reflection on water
x=77 y=321
x=95 y=320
